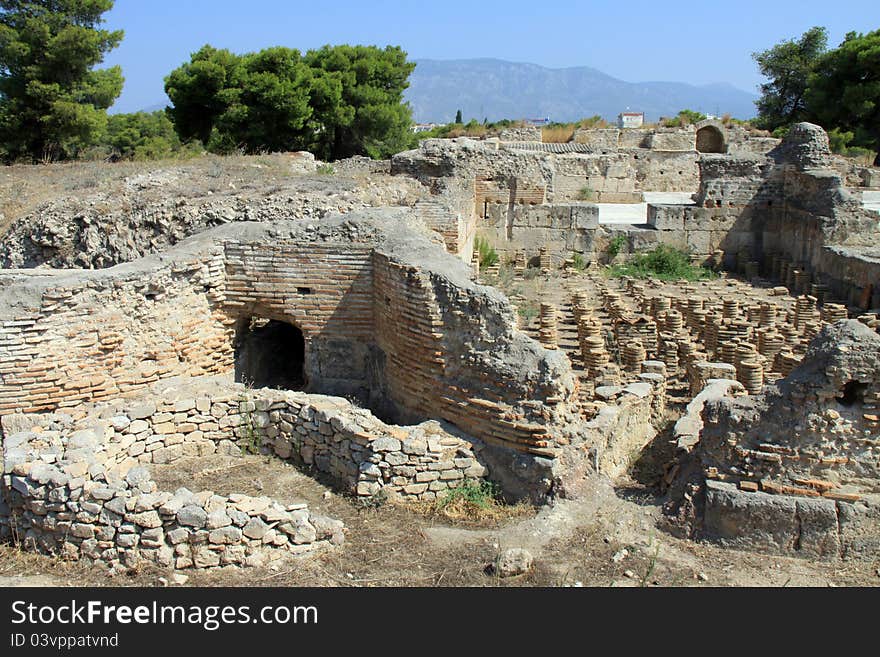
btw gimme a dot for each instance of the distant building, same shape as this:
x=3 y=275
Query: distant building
x=424 y=127
x=537 y=122
x=630 y=119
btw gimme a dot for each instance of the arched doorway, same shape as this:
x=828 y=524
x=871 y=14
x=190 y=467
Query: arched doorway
x=269 y=354
x=710 y=140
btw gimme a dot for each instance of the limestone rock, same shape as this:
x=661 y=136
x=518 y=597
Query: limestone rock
x=513 y=561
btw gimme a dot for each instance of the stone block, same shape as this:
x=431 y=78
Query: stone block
x=699 y=242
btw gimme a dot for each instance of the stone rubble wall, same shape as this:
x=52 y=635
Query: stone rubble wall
x=73 y=488
x=359 y=452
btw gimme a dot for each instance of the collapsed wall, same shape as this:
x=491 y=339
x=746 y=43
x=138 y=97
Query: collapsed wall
x=793 y=469
x=706 y=136
x=111 y=221
x=526 y=195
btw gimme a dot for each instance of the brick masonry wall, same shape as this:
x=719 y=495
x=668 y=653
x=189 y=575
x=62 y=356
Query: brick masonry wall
x=97 y=337
x=326 y=290
x=426 y=328
x=426 y=341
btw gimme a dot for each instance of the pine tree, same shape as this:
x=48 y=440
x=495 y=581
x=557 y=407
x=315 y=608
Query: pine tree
x=53 y=101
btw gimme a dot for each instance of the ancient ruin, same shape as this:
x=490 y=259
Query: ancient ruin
x=366 y=344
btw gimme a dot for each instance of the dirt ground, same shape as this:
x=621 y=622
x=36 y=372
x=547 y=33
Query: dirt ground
x=608 y=536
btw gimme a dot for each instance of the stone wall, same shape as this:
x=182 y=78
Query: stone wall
x=75 y=485
x=97 y=456
x=527 y=133
x=671 y=140
x=627 y=423
x=563 y=228
x=521 y=195
x=602 y=139
x=71 y=337
x=789 y=206
x=731 y=205
x=665 y=171
x=734 y=139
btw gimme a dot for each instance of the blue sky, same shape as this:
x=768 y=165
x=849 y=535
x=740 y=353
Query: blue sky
x=634 y=40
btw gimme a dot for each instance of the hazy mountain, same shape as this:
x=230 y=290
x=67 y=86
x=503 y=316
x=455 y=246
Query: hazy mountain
x=496 y=89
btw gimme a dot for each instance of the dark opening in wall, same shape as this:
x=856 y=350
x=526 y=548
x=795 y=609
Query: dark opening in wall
x=269 y=354
x=710 y=140
x=852 y=392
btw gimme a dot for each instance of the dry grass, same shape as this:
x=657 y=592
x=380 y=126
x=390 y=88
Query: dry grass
x=561 y=134
x=865 y=159
x=23 y=188
x=461 y=511
x=475 y=132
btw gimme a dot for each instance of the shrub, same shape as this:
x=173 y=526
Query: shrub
x=614 y=246
x=325 y=170
x=594 y=121
x=586 y=193
x=578 y=261
x=665 y=263
x=488 y=255
x=472 y=500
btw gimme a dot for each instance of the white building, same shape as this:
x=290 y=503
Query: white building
x=424 y=127
x=630 y=119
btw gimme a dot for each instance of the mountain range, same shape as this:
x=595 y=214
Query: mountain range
x=495 y=89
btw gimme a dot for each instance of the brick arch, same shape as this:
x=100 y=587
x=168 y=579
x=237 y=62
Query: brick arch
x=711 y=137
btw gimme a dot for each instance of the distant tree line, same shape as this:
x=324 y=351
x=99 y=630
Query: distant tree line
x=336 y=101
x=839 y=89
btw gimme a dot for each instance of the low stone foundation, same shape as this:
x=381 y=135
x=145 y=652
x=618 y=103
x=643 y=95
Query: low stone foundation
x=69 y=487
x=788 y=524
